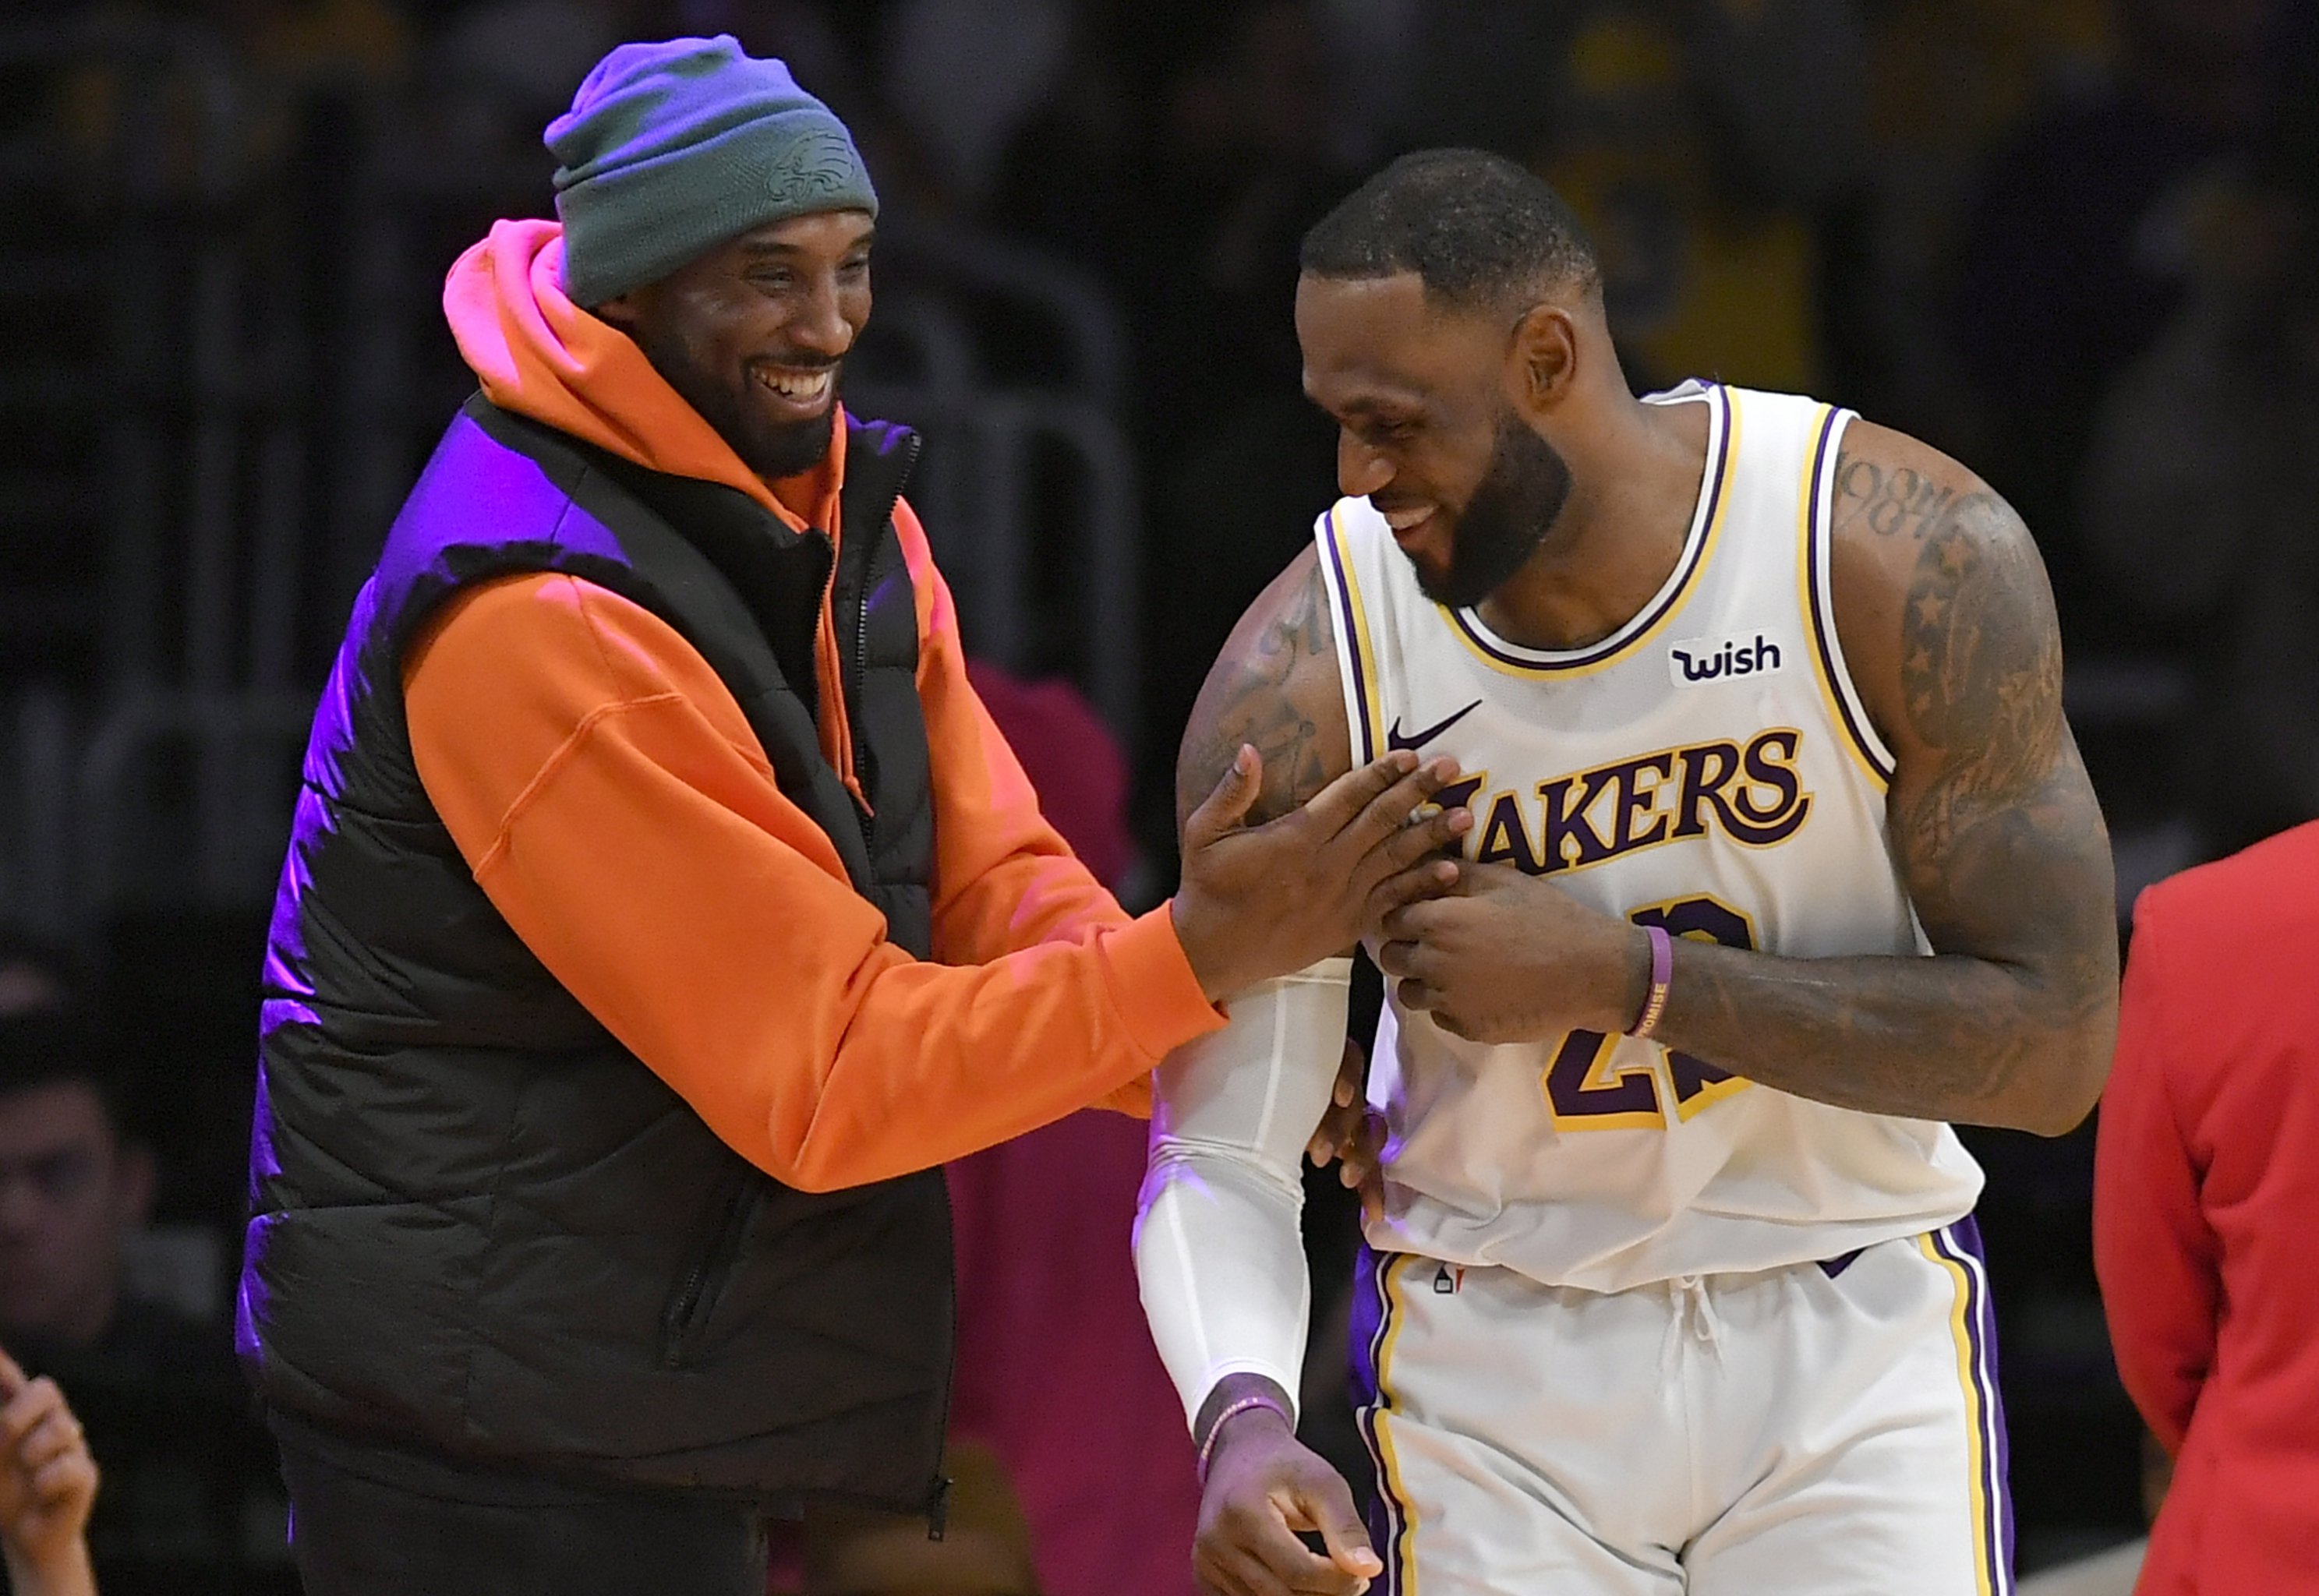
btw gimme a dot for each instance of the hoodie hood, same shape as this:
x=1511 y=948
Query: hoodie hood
x=539 y=355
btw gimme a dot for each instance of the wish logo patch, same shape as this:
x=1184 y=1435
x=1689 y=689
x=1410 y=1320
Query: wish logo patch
x=1719 y=659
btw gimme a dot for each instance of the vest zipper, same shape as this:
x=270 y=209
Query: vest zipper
x=709 y=1270
x=938 y=1489
x=858 y=677
x=856 y=681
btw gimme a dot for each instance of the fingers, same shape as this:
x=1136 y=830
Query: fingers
x=1395 y=810
x=1352 y=1065
x=1419 y=838
x=1356 y=793
x=1340 y=1122
x=55 y=1435
x=65 y=1479
x=1224 y=808
x=1321 y=1501
x=1435 y=1003
x=1251 y=1553
x=12 y=1377
x=25 y=1411
x=1237 y=1572
x=1328 y=1507
x=1416 y=995
x=1427 y=880
x=1331 y=1137
x=1414 y=961
x=1363 y=1152
x=1411 y=922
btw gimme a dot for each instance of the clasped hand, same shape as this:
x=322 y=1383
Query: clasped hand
x=1504 y=957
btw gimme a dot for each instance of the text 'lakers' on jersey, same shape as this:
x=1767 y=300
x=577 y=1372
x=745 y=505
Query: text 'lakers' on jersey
x=1708 y=768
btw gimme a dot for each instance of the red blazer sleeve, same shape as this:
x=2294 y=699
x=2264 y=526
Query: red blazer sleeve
x=2157 y=1258
x=610 y=798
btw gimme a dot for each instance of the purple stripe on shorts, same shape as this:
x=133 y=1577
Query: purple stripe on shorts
x=1833 y=1267
x=1372 y=1320
x=1960 y=1243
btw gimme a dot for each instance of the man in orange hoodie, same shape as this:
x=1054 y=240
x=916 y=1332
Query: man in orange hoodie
x=662 y=907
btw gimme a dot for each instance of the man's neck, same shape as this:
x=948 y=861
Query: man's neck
x=1635 y=493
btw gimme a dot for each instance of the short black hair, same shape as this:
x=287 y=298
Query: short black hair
x=1476 y=228
x=65 y=1046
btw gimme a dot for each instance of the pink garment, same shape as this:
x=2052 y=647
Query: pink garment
x=1074 y=762
x=1056 y=1370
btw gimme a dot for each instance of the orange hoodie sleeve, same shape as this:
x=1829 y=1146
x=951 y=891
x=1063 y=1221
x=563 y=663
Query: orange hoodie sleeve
x=611 y=800
x=1004 y=877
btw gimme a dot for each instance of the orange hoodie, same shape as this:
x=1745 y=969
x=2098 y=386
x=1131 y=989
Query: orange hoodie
x=612 y=801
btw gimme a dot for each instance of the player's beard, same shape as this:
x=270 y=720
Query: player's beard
x=1508 y=516
x=772 y=449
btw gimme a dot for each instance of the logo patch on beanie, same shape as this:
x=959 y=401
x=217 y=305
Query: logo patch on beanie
x=817 y=165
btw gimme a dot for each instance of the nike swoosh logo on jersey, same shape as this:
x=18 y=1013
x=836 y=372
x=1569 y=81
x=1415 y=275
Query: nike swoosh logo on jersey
x=1394 y=739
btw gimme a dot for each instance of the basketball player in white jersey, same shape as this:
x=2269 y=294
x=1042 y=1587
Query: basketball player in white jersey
x=1780 y=857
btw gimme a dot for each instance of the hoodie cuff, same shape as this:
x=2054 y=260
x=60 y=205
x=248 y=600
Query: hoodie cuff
x=1153 y=986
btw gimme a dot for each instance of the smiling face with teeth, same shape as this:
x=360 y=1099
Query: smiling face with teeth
x=751 y=333
x=1432 y=426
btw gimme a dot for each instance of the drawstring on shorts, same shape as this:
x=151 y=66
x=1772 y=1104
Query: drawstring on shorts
x=1689 y=1308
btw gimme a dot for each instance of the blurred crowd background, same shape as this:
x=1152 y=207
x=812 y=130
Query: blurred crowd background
x=2073 y=242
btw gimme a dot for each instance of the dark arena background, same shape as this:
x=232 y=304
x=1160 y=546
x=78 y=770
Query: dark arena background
x=2074 y=243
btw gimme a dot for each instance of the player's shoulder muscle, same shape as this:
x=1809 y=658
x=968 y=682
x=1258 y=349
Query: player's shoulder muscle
x=1275 y=687
x=1942 y=603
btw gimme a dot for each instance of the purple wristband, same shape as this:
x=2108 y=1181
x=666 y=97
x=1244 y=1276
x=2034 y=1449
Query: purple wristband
x=1662 y=972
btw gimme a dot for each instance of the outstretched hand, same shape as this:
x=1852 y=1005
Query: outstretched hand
x=1268 y=901
x=48 y=1484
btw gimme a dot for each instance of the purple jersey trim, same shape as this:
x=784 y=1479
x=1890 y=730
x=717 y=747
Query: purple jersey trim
x=1619 y=640
x=1818 y=548
x=1349 y=640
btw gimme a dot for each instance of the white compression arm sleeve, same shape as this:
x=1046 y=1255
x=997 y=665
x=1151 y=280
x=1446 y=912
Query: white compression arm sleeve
x=1218 y=1250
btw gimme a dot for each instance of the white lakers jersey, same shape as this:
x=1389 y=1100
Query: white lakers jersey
x=1708 y=768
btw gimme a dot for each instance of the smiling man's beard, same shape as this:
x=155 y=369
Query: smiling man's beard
x=772 y=449
x=1511 y=509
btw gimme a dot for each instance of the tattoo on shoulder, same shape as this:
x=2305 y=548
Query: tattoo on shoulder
x=2005 y=814
x=1981 y=661
x=1276 y=691
x=1888 y=499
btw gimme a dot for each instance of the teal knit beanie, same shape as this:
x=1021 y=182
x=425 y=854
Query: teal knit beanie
x=670 y=149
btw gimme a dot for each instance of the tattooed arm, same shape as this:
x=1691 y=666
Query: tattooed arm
x=1948 y=627
x=1947 y=624
x=1273 y=687
x=1217 y=1246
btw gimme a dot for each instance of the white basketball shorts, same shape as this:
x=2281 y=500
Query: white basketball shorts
x=1828 y=1429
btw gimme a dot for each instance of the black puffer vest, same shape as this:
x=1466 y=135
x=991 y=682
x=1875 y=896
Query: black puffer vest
x=478 y=1222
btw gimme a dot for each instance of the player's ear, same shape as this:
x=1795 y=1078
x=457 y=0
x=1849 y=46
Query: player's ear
x=1542 y=363
x=623 y=310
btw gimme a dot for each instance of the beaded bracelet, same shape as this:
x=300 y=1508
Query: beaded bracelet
x=1200 y=1469
x=1662 y=972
